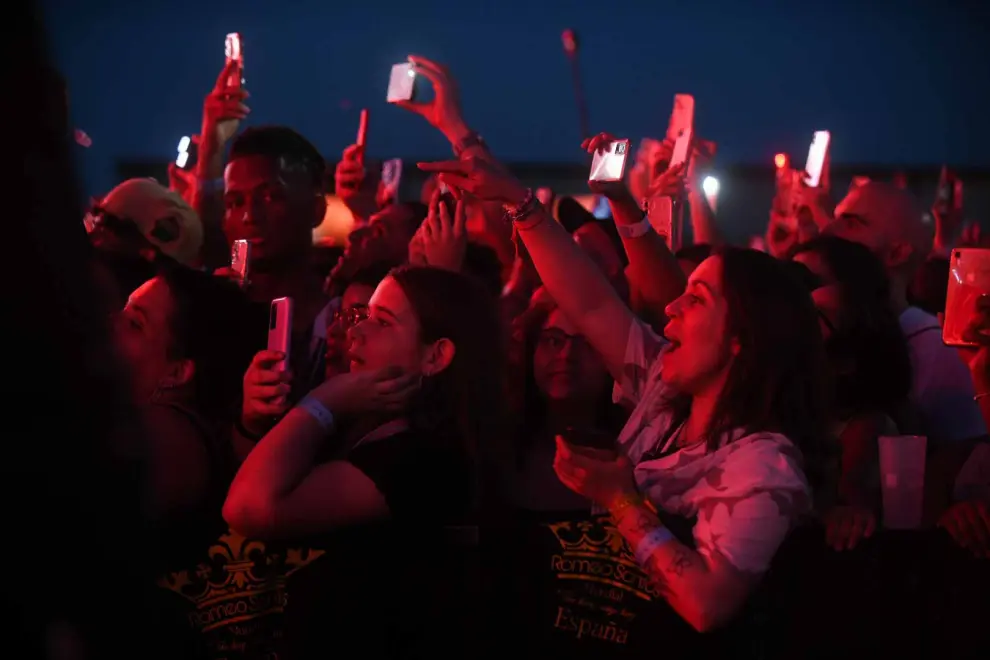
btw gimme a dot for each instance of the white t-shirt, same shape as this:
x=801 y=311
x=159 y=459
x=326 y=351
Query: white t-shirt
x=746 y=495
x=941 y=386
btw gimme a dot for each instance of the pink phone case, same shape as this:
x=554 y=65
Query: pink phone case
x=280 y=329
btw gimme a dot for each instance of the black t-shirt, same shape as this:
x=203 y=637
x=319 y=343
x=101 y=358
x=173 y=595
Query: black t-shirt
x=572 y=588
x=399 y=588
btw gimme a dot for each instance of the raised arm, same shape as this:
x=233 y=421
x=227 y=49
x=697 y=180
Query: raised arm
x=572 y=279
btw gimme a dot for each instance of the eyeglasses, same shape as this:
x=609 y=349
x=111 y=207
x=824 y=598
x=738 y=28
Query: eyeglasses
x=348 y=318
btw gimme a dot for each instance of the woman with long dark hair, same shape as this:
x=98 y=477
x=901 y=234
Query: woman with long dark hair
x=423 y=405
x=871 y=376
x=729 y=410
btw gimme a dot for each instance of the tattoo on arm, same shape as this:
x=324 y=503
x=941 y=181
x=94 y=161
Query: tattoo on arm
x=679 y=563
x=641 y=522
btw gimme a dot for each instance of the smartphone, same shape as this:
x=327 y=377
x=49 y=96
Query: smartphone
x=280 y=329
x=660 y=213
x=392 y=177
x=362 y=134
x=186 y=158
x=681 y=117
x=610 y=164
x=590 y=438
x=401 y=83
x=969 y=280
x=816 y=158
x=234 y=53
x=240 y=260
x=682 y=148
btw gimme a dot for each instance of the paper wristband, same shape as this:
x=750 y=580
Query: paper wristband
x=634 y=230
x=658 y=537
x=319 y=412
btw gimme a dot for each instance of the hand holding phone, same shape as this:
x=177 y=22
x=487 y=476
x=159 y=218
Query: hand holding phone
x=609 y=162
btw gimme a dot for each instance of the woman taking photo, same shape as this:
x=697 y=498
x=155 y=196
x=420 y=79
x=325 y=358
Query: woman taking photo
x=725 y=406
x=422 y=405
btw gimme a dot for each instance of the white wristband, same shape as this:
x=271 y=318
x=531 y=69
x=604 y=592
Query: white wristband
x=319 y=412
x=634 y=230
x=658 y=537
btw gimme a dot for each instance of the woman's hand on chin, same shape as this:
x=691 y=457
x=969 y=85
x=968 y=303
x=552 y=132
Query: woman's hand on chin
x=364 y=391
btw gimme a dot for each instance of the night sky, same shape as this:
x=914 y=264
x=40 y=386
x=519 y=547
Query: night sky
x=908 y=88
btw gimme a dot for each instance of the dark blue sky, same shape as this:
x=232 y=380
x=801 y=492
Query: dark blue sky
x=905 y=88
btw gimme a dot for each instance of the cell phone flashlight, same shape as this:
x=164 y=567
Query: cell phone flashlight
x=610 y=164
x=234 y=53
x=401 y=83
x=186 y=158
x=710 y=187
x=816 y=158
x=240 y=260
x=362 y=134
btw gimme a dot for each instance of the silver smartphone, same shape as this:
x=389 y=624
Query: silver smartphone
x=610 y=164
x=401 y=83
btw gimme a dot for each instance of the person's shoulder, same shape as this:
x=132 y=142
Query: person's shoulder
x=764 y=460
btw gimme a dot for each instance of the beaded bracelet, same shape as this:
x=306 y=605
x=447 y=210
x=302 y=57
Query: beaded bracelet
x=528 y=206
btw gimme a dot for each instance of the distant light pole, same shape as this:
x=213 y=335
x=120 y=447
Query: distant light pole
x=570 y=39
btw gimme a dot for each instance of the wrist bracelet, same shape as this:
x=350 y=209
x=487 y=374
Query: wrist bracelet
x=472 y=139
x=649 y=543
x=634 y=230
x=319 y=412
x=514 y=214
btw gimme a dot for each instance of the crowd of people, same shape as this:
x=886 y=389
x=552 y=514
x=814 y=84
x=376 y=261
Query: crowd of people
x=503 y=425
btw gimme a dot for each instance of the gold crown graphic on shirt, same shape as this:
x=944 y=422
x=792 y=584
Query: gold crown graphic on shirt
x=585 y=536
x=242 y=579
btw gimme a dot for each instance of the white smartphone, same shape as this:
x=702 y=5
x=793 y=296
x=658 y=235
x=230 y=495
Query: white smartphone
x=401 y=83
x=660 y=213
x=682 y=148
x=280 y=329
x=816 y=158
x=234 y=53
x=182 y=160
x=610 y=164
x=240 y=260
x=681 y=117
